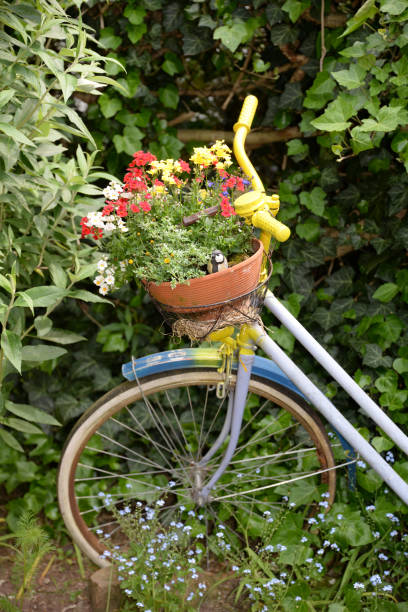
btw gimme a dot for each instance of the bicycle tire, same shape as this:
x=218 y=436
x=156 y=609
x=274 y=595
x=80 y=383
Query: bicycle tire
x=283 y=410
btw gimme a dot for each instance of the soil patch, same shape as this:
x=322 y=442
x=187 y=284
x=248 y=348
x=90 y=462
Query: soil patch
x=57 y=587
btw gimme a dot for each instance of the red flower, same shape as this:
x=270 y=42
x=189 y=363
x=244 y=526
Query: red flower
x=145 y=206
x=134 y=208
x=230 y=182
x=158 y=183
x=140 y=158
x=184 y=166
x=121 y=210
x=226 y=209
x=108 y=209
x=240 y=184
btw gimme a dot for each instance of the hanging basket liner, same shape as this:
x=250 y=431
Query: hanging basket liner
x=204 y=292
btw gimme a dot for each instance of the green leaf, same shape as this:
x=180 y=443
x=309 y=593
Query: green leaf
x=393 y=7
x=130 y=141
x=386 y=292
x=295 y=8
x=400 y=365
x=115 y=343
x=11 y=345
x=5 y=96
x=351 y=78
x=108 y=39
x=388 y=382
x=59 y=278
x=314 y=201
x=15 y=134
x=341 y=282
x=366 y=11
x=109 y=105
x=387 y=119
x=297 y=147
x=372 y=355
x=21 y=425
x=67 y=83
x=334 y=119
x=42 y=296
x=62 y=336
x=135 y=14
x=41 y=352
x=231 y=36
x=87 y=296
x=30 y=413
x=42 y=325
x=283 y=34
x=169 y=96
x=310 y=230
x=172 y=64
x=320 y=92
x=10 y=440
x=5 y=284
x=136 y=32
x=381 y=444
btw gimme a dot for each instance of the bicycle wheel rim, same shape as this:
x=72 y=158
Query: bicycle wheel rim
x=112 y=403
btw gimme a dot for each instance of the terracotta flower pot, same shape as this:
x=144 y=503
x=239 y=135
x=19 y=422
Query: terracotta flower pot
x=204 y=291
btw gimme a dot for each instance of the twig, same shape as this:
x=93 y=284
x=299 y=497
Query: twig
x=254 y=139
x=237 y=82
x=323 y=49
x=181 y=118
x=47 y=569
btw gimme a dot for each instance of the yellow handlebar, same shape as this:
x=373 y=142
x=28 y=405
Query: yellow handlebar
x=247 y=113
x=257 y=208
x=264 y=220
x=241 y=129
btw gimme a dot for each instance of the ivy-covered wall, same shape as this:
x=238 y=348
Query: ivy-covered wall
x=330 y=136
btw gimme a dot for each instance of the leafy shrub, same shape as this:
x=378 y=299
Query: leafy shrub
x=46 y=57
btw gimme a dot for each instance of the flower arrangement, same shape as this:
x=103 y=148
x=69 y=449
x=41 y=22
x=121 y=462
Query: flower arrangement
x=141 y=229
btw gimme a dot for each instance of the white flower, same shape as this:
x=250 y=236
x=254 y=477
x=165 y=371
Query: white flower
x=104 y=289
x=358 y=585
x=112 y=191
x=99 y=280
x=102 y=265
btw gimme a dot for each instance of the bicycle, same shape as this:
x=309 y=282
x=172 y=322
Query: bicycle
x=216 y=428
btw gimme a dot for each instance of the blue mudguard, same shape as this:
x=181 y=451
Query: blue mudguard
x=180 y=359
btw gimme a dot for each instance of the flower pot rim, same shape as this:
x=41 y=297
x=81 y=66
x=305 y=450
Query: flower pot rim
x=257 y=244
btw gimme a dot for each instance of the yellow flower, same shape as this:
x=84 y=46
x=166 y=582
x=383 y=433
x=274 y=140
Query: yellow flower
x=203 y=194
x=202 y=156
x=166 y=260
x=130 y=261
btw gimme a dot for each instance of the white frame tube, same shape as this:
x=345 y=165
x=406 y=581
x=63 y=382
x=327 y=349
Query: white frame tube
x=368 y=406
x=330 y=412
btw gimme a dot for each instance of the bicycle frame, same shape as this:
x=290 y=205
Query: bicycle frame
x=322 y=404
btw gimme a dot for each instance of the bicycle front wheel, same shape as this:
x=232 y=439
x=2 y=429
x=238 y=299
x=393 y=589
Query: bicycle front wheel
x=142 y=443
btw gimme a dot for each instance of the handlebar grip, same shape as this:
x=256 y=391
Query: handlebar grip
x=266 y=222
x=247 y=113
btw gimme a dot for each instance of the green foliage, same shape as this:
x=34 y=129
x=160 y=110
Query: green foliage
x=46 y=58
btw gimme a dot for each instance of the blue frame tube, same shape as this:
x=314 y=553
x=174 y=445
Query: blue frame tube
x=330 y=412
